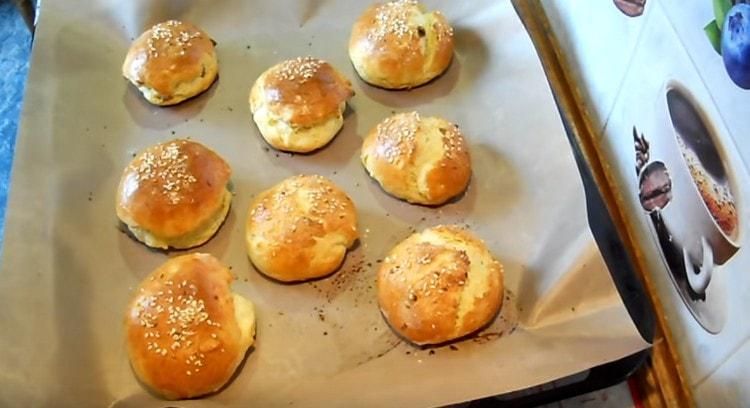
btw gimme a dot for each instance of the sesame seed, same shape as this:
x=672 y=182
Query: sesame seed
x=170 y=35
x=179 y=324
x=300 y=69
x=453 y=141
x=443 y=30
x=393 y=20
x=168 y=167
x=397 y=135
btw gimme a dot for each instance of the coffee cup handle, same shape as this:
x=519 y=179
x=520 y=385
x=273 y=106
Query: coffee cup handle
x=699 y=281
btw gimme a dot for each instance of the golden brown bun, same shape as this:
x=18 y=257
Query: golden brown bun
x=299 y=104
x=439 y=285
x=300 y=229
x=171 y=62
x=422 y=160
x=399 y=45
x=186 y=332
x=174 y=194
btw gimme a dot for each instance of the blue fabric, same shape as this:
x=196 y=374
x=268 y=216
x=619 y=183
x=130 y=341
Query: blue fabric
x=15 y=47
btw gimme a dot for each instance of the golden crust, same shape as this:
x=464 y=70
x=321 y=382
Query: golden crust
x=181 y=329
x=171 y=62
x=399 y=45
x=423 y=160
x=303 y=92
x=300 y=229
x=439 y=285
x=173 y=189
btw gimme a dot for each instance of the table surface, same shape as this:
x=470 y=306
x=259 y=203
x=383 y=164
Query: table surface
x=15 y=41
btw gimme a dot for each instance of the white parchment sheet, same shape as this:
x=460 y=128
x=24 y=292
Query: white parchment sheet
x=68 y=271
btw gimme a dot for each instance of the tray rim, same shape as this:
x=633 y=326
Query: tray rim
x=663 y=375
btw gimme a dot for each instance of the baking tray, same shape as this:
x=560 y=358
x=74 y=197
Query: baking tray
x=66 y=260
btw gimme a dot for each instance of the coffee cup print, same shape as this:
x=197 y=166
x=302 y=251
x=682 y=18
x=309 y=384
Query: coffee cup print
x=685 y=181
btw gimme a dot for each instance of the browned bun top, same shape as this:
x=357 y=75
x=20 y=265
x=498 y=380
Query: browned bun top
x=305 y=91
x=421 y=159
x=172 y=188
x=439 y=284
x=182 y=335
x=301 y=228
x=399 y=44
x=168 y=54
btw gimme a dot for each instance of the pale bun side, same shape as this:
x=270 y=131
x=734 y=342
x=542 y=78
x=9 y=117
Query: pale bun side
x=186 y=332
x=439 y=285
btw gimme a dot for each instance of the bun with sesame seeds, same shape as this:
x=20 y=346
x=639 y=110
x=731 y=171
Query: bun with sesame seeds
x=400 y=45
x=439 y=285
x=174 y=194
x=423 y=160
x=171 y=62
x=298 y=105
x=185 y=331
x=300 y=229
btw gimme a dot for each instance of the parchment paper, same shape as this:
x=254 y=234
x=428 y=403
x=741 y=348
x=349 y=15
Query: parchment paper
x=68 y=271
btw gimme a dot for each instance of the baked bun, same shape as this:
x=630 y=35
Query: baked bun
x=422 y=160
x=299 y=104
x=174 y=194
x=439 y=285
x=300 y=229
x=171 y=62
x=400 y=45
x=186 y=332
